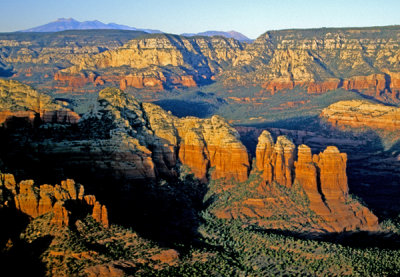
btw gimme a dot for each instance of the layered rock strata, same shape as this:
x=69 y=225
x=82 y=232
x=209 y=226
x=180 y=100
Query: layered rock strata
x=64 y=201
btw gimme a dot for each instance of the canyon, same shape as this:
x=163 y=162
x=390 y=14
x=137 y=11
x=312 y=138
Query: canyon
x=197 y=151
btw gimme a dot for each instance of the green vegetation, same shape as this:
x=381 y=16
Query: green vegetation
x=224 y=248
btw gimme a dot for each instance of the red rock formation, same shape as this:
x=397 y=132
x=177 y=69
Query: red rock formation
x=202 y=151
x=27 y=200
x=278 y=85
x=394 y=84
x=333 y=178
x=35 y=201
x=100 y=213
x=60 y=214
x=184 y=80
x=141 y=82
x=323 y=179
x=202 y=144
x=157 y=83
x=374 y=85
x=307 y=176
x=170 y=257
x=264 y=150
x=275 y=161
x=284 y=158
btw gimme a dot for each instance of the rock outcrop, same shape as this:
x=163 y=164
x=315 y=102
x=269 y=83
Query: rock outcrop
x=324 y=180
x=65 y=201
x=200 y=144
x=322 y=177
x=18 y=100
x=275 y=160
x=361 y=114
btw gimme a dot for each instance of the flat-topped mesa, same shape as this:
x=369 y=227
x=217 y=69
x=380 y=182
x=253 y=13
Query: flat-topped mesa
x=18 y=100
x=322 y=177
x=35 y=201
x=275 y=160
x=361 y=114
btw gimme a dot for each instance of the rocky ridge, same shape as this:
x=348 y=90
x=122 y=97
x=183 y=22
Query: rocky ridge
x=66 y=201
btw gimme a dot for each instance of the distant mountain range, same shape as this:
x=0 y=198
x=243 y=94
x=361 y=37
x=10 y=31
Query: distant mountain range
x=63 y=24
x=230 y=34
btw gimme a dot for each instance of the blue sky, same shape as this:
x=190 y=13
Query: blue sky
x=251 y=17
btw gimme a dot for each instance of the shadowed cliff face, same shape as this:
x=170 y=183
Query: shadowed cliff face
x=142 y=141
